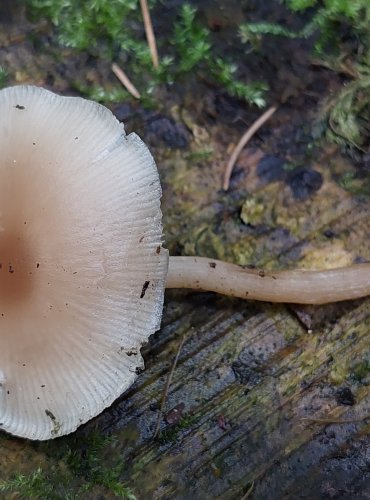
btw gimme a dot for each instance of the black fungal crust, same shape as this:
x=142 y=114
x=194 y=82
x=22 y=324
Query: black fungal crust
x=165 y=130
x=344 y=396
x=304 y=182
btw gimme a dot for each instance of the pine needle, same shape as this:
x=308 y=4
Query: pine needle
x=123 y=78
x=149 y=32
x=243 y=142
x=167 y=386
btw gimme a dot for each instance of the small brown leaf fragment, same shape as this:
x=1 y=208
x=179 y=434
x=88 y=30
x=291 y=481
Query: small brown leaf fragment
x=222 y=422
x=174 y=416
x=344 y=396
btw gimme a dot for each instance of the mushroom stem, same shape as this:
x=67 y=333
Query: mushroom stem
x=298 y=286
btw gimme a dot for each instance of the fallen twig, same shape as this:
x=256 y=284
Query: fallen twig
x=167 y=386
x=123 y=78
x=242 y=143
x=149 y=32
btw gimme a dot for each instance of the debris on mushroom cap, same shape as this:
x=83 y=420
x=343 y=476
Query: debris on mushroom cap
x=81 y=277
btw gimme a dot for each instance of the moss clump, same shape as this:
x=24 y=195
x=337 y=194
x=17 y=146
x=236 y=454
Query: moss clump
x=81 y=471
x=252 y=212
x=361 y=371
x=331 y=22
x=35 y=485
x=169 y=435
x=340 y=30
x=3 y=77
x=88 y=461
x=114 y=30
x=349 y=114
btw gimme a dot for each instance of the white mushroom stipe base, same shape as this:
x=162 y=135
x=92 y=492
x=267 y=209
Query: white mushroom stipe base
x=82 y=267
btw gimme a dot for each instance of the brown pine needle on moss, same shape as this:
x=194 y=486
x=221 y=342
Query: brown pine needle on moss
x=123 y=78
x=149 y=32
x=243 y=142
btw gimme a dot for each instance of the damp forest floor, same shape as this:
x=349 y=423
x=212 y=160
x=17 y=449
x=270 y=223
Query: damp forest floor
x=267 y=401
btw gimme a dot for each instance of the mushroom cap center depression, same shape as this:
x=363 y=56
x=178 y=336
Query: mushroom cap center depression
x=18 y=261
x=17 y=267
x=24 y=214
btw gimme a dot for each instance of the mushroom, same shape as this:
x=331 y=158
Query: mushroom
x=82 y=267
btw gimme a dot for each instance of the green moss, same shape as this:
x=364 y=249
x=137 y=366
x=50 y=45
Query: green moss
x=290 y=390
x=114 y=30
x=171 y=434
x=100 y=94
x=356 y=185
x=224 y=72
x=252 y=212
x=188 y=30
x=82 y=468
x=338 y=374
x=91 y=465
x=199 y=156
x=3 y=77
x=341 y=29
x=328 y=17
x=349 y=112
x=35 y=485
x=361 y=370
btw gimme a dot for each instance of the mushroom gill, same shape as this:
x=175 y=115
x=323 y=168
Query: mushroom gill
x=82 y=269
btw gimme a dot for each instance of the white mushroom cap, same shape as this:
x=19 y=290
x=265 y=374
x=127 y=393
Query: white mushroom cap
x=82 y=268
